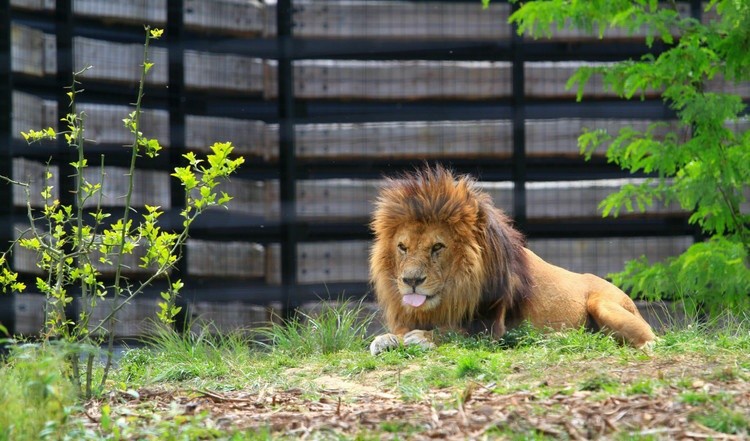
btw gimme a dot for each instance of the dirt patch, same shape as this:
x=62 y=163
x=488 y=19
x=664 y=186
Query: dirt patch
x=345 y=407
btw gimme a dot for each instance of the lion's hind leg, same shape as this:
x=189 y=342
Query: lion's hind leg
x=615 y=312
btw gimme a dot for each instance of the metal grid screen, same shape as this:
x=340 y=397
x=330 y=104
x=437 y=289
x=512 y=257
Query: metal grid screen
x=324 y=98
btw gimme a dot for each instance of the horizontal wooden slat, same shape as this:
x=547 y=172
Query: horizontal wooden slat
x=608 y=255
x=104 y=124
x=343 y=261
x=413 y=139
x=224 y=72
x=29 y=312
x=225 y=259
x=35 y=5
x=559 y=137
x=34 y=174
x=118 y=62
x=386 y=80
x=547 y=79
x=405 y=20
x=150 y=187
x=401 y=19
x=231 y=316
x=127 y=11
x=27 y=50
x=31 y=112
x=580 y=199
x=243 y=17
x=136 y=319
x=250 y=138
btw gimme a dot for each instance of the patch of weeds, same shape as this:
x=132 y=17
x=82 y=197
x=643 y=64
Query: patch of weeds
x=646 y=386
x=723 y=420
x=263 y=434
x=336 y=327
x=134 y=365
x=474 y=342
x=638 y=437
x=728 y=373
x=599 y=382
x=513 y=434
x=358 y=364
x=468 y=365
x=198 y=354
x=430 y=376
x=400 y=428
x=685 y=382
x=695 y=398
x=176 y=427
x=412 y=392
x=582 y=342
x=37 y=397
x=367 y=436
x=524 y=335
x=403 y=354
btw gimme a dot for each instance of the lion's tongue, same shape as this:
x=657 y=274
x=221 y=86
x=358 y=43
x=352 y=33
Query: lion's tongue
x=414 y=300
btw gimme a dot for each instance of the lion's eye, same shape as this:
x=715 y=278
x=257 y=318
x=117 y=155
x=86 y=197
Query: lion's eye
x=402 y=247
x=437 y=247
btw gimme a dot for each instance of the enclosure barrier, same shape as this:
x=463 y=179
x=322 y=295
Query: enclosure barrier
x=323 y=98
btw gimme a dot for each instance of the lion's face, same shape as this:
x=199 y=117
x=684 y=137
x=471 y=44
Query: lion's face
x=423 y=258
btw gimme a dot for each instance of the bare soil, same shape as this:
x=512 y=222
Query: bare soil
x=560 y=408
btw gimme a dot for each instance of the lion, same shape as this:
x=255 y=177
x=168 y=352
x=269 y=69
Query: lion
x=444 y=257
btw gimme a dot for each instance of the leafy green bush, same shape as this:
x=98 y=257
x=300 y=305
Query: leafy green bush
x=702 y=165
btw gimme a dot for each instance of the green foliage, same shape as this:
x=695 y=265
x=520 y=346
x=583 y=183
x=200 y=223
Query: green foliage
x=724 y=420
x=75 y=244
x=336 y=327
x=37 y=398
x=200 y=354
x=702 y=164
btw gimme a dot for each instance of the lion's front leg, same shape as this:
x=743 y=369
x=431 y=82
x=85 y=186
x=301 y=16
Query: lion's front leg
x=386 y=342
x=423 y=339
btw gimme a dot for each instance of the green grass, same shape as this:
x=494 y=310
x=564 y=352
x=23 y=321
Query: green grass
x=36 y=397
x=724 y=420
x=334 y=328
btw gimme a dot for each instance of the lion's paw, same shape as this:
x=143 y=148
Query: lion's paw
x=384 y=342
x=648 y=347
x=420 y=338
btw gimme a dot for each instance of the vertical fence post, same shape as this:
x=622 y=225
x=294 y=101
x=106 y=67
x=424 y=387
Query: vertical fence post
x=7 y=314
x=287 y=162
x=6 y=119
x=64 y=77
x=176 y=102
x=519 y=128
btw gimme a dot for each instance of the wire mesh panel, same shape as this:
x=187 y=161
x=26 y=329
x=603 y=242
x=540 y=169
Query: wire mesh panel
x=374 y=89
x=603 y=256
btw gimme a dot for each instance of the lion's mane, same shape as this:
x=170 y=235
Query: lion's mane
x=488 y=272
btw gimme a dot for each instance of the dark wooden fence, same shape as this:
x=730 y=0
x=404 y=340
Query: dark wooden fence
x=322 y=98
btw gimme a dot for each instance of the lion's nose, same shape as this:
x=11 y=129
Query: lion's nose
x=414 y=281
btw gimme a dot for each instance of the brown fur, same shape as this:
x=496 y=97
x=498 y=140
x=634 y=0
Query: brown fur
x=462 y=255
